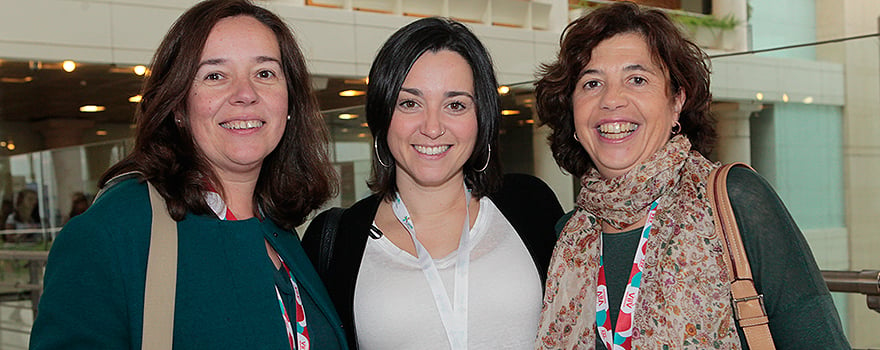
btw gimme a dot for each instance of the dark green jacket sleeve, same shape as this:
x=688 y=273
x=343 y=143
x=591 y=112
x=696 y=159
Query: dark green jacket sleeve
x=801 y=312
x=84 y=304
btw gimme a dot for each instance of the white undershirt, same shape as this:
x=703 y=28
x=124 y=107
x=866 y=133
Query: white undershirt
x=394 y=307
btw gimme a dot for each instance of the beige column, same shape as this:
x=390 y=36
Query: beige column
x=734 y=140
x=739 y=9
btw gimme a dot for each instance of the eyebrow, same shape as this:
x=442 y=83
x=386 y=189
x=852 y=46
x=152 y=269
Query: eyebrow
x=218 y=61
x=448 y=94
x=629 y=68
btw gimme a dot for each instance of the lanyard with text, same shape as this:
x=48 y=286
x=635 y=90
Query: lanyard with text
x=621 y=338
x=300 y=339
x=454 y=317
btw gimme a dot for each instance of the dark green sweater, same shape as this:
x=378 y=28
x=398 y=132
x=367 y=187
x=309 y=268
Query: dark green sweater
x=225 y=298
x=799 y=306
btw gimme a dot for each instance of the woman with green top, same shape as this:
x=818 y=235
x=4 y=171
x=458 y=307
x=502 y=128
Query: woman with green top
x=229 y=134
x=638 y=264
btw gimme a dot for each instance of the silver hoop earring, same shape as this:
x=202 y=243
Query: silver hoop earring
x=487 y=161
x=676 y=128
x=576 y=137
x=378 y=158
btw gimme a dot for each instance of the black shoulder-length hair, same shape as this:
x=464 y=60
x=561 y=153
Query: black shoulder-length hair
x=389 y=70
x=686 y=64
x=296 y=177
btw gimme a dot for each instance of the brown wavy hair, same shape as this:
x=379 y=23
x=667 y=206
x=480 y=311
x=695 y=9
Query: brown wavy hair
x=296 y=177
x=687 y=66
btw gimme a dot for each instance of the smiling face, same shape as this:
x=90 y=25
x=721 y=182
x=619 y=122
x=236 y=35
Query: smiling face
x=434 y=125
x=623 y=111
x=237 y=106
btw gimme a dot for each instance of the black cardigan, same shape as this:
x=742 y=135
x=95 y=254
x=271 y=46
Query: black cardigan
x=525 y=201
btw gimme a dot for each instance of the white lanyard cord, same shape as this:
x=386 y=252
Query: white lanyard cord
x=454 y=316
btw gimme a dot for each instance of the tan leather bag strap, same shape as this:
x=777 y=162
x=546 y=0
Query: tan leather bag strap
x=748 y=305
x=161 y=283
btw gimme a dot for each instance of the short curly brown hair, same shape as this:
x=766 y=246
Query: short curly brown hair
x=686 y=64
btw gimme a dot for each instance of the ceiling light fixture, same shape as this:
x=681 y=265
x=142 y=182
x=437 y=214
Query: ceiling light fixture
x=135 y=99
x=68 y=66
x=352 y=93
x=808 y=99
x=510 y=112
x=347 y=116
x=92 y=108
x=503 y=89
x=759 y=96
x=26 y=79
x=140 y=70
x=784 y=97
x=101 y=132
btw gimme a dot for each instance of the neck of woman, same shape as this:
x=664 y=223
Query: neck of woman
x=238 y=194
x=427 y=204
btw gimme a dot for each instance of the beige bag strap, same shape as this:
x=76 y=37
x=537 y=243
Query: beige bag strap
x=748 y=305
x=161 y=283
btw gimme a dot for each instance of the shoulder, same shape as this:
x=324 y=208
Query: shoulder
x=361 y=213
x=520 y=188
x=515 y=181
x=121 y=210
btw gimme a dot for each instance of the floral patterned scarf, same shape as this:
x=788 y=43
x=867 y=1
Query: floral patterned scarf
x=684 y=301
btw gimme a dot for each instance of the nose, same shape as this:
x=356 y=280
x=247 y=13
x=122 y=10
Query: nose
x=432 y=126
x=613 y=98
x=244 y=92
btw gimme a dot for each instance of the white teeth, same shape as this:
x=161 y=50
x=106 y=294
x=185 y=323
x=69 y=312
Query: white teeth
x=617 y=130
x=242 y=124
x=431 y=150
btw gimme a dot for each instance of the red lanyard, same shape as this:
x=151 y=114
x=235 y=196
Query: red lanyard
x=299 y=340
x=621 y=338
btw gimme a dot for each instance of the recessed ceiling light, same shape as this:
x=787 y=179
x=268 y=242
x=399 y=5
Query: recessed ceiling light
x=365 y=125
x=101 y=132
x=10 y=146
x=140 y=69
x=92 y=108
x=352 y=93
x=808 y=99
x=347 y=116
x=362 y=135
x=510 y=112
x=68 y=66
x=135 y=99
x=26 y=79
x=759 y=96
x=503 y=89
x=784 y=97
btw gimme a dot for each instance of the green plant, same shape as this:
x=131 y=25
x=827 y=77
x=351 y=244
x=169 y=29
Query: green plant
x=725 y=23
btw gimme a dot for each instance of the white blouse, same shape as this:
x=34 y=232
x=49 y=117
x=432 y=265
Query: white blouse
x=394 y=307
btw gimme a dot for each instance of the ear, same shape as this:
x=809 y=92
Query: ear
x=678 y=102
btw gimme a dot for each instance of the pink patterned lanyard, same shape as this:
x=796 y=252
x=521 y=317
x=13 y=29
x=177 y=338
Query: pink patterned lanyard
x=621 y=338
x=300 y=339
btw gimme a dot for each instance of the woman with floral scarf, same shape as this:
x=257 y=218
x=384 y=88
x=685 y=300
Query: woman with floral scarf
x=639 y=264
